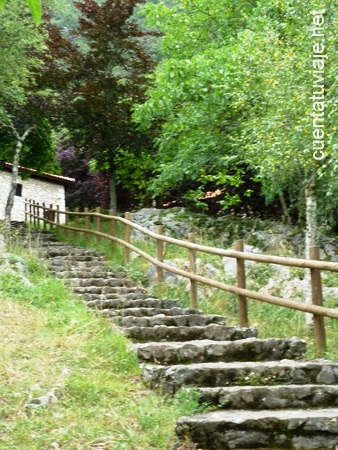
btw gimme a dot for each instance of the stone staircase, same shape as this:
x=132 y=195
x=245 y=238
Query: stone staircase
x=261 y=394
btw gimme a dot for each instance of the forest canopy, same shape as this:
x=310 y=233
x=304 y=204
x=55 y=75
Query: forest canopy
x=180 y=101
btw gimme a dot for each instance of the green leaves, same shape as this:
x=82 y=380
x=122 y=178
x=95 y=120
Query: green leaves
x=36 y=10
x=34 y=6
x=236 y=80
x=18 y=62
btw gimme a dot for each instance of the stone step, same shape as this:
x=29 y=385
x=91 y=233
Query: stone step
x=188 y=319
x=265 y=429
x=91 y=298
x=92 y=273
x=61 y=265
x=251 y=349
x=43 y=243
x=133 y=313
x=123 y=303
x=289 y=396
x=223 y=374
x=119 y=290
x=98 y=282
x=212 y=331
x=70 y=251
x=75 y=259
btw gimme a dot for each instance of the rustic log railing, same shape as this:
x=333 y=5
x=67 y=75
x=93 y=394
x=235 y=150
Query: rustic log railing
x=40 y=214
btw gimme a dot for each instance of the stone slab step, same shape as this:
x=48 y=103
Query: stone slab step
x=212 y=331
x=89 y=282
x=113 y=296
x=238 y=429
x=91 y=273
x=71 y=252
x=60 y=265
x=292 y=396
x=123 y=303
x=251 y=349
x=119 y=290
x=118 y=315
x=188 y=319
x=73 y=258
x=223 y=374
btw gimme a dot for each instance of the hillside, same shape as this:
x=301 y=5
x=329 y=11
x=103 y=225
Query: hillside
x=67 y=379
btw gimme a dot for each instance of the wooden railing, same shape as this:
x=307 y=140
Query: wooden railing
x=40 y=215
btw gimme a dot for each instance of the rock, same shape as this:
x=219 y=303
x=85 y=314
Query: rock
x=230 y=264
x=171 y=279
x=14 y=265
x=175 y=221
x=293 y=429
x=44 y=400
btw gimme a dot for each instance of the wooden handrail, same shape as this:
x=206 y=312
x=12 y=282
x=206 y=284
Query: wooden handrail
x=279 y=260
x=317 y=309
x=291 y=304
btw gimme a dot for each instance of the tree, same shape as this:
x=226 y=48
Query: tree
x=261 y=92
x=233 y=91
x=194 y=96
x=34 y=6
x=20 y=139
x=103 y=83
x=23 y=129
x=89 y=189
x=18 y=38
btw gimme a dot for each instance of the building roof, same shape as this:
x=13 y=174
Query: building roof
x=36 y=174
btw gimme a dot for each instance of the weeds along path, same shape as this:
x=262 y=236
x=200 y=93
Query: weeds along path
x=260 y=393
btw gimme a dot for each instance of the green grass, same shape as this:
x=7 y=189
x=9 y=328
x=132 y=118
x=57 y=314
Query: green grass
x=101 y=403
x=271 y=321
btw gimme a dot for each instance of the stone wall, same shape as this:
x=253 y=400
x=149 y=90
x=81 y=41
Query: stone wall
x=41 y=191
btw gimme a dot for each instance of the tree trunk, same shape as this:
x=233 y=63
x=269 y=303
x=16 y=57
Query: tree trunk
x=311 y=217
x=15 y=174
x=311 y=233
x=112 y=192
x=286 y=215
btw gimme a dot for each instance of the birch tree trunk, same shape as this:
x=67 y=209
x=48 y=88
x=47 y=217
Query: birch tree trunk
x=15 y=174
x=311 y=234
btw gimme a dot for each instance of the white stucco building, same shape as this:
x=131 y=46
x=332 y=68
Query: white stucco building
x=43 y=188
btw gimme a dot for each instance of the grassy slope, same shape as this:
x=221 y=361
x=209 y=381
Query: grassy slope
x=101 y=404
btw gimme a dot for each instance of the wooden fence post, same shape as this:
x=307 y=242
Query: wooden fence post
x=30 y=212
x=112 y=227
x=160 y=252
x=86 y=224
x=76 y=221
x=26 y=208
x=127 y=234
x=44 y=216
x=57 y=217
x=66 y=220
x=52 y=217
x=192 y=267
x=34 y=213
x=242 y=303
x=98 y=224
x=317 y=299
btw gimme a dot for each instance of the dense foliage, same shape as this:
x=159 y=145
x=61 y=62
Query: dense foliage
x=234 y=90
x=228 y=111
x=99 y=80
